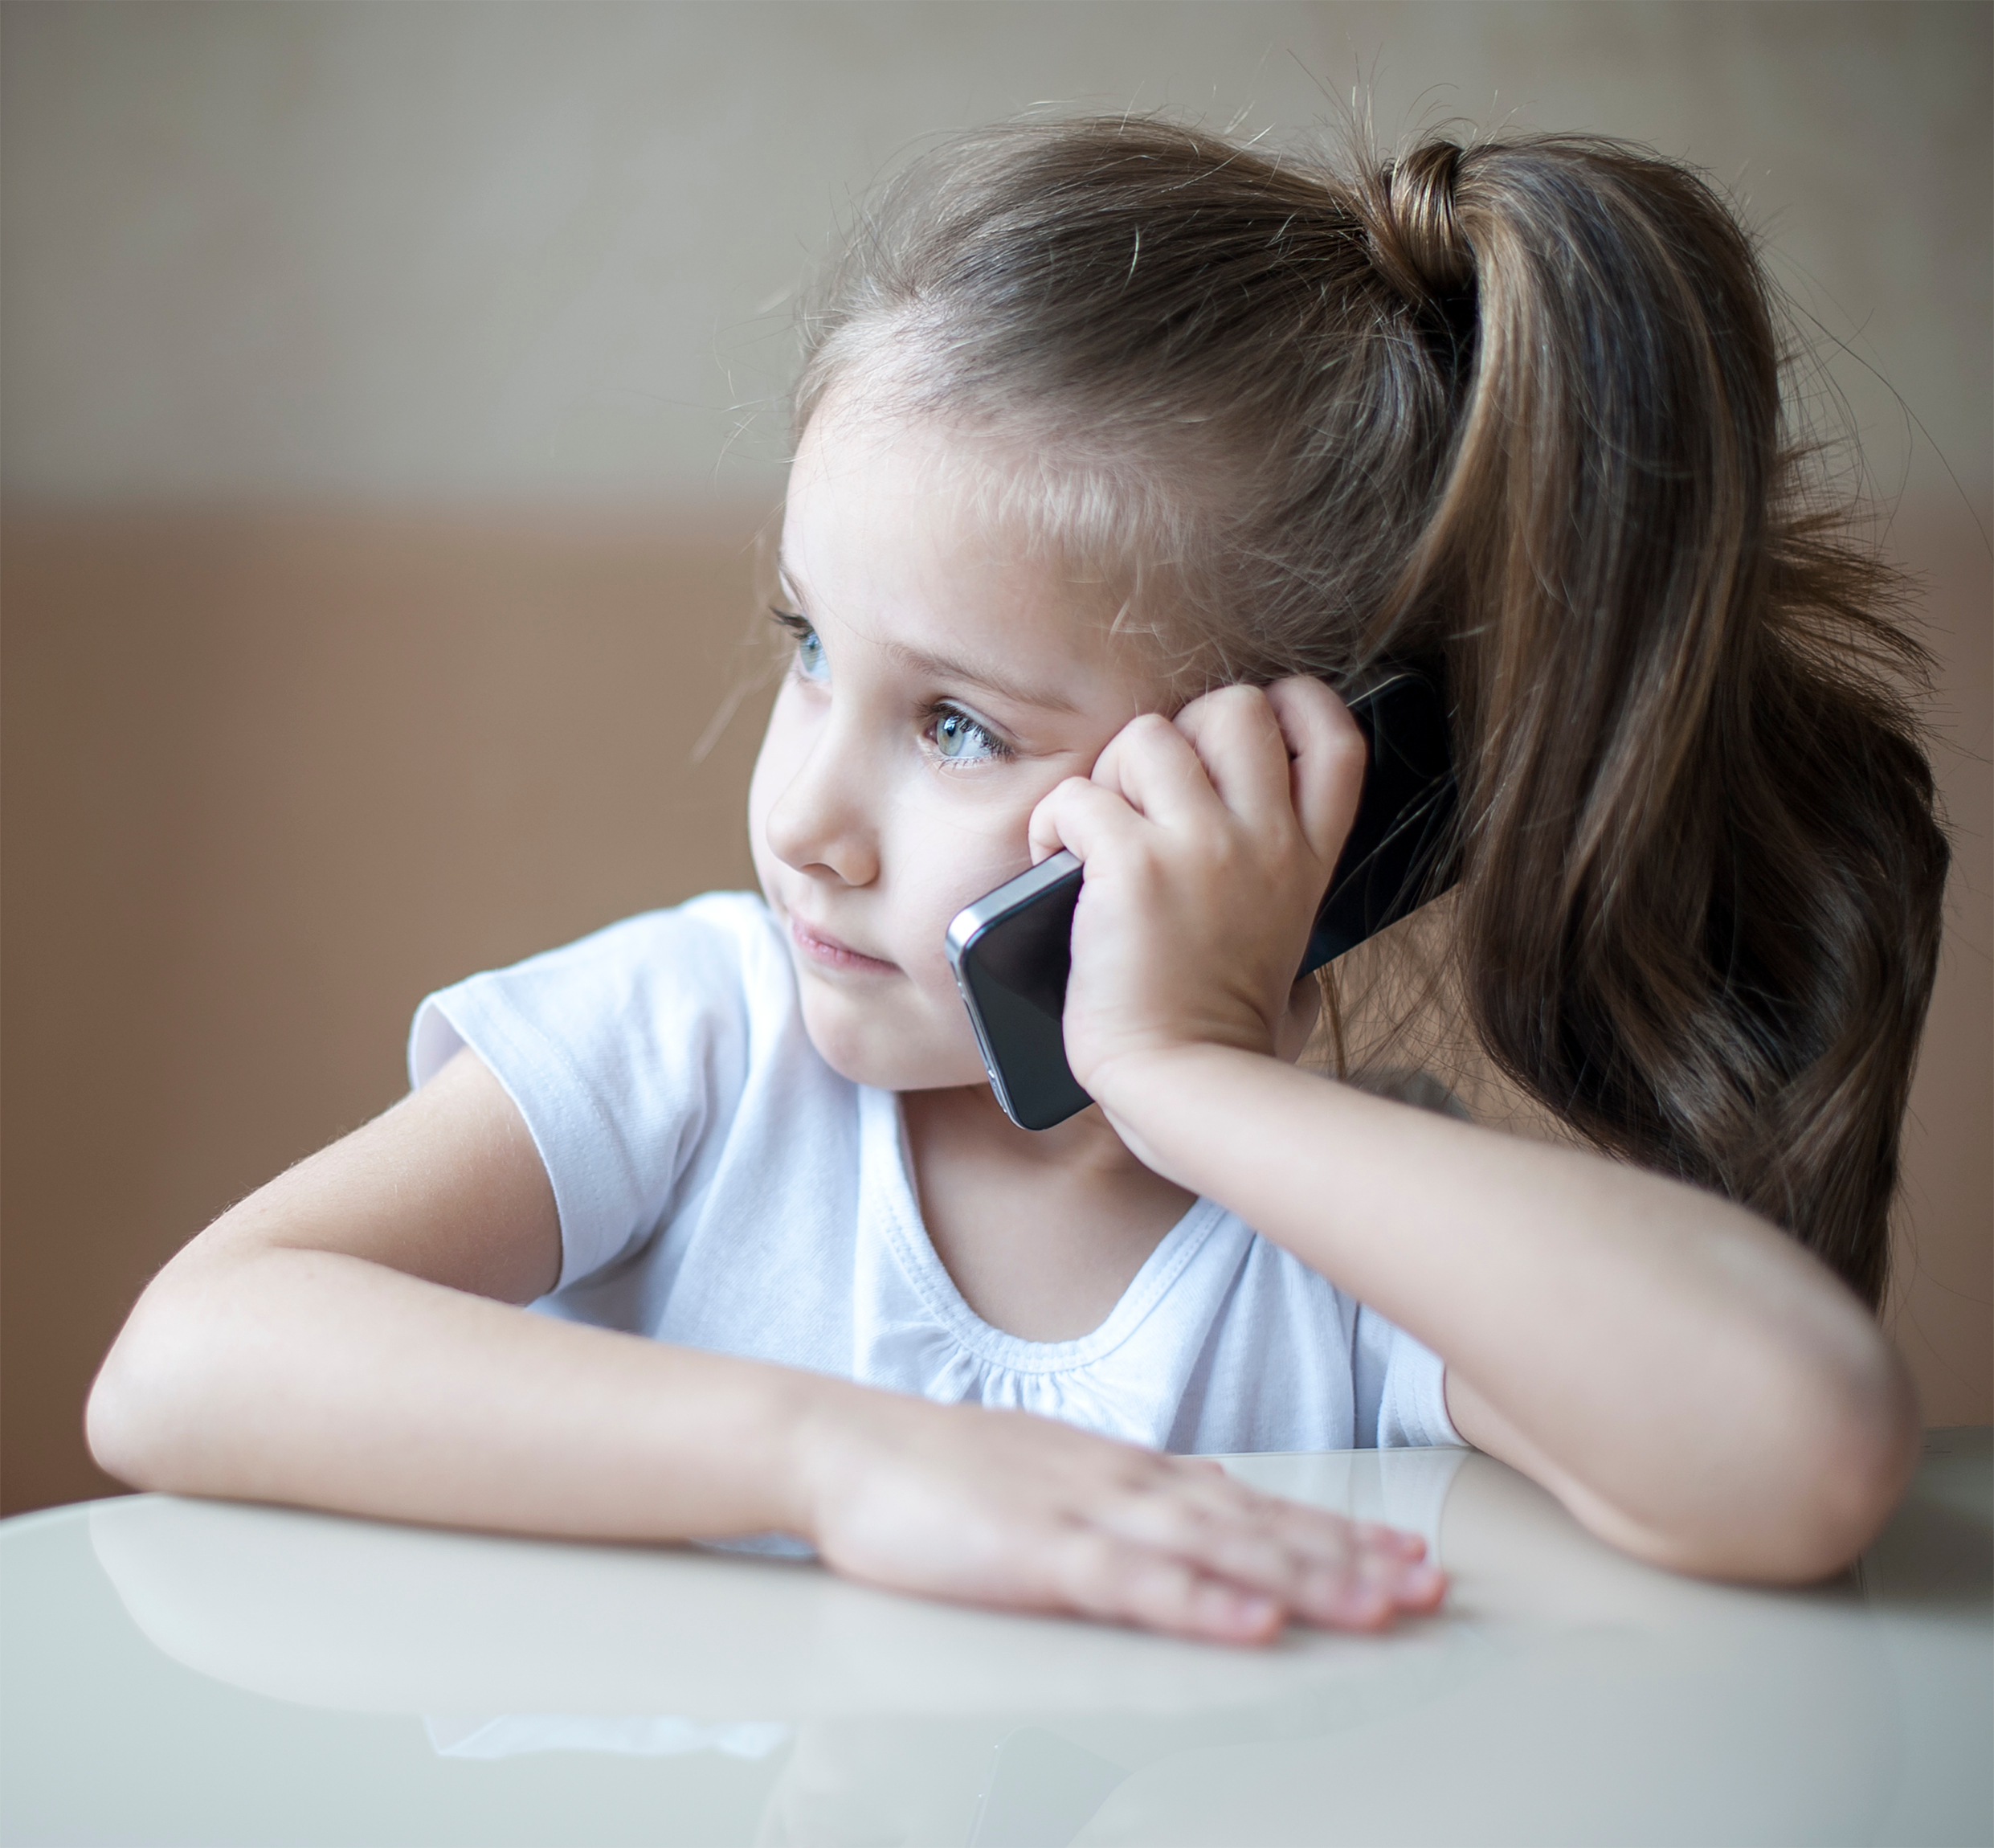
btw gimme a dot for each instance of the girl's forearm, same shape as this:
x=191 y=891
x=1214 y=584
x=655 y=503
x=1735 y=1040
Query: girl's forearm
x=1692 y=1382
x=316 y=1377
x=319 y=1378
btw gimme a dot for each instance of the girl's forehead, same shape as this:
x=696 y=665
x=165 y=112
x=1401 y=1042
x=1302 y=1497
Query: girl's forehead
x=891 y=470
x=906 y=530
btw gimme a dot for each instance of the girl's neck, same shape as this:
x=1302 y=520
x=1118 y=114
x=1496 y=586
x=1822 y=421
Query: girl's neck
x=1042 y=1231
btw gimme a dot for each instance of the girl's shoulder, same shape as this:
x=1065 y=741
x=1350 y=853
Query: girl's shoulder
x=712 y=967
x=628 y=1054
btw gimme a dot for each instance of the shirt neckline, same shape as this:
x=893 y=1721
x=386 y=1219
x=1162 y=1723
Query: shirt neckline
x=883 y=1150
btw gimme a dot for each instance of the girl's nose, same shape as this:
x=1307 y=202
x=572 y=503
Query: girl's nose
x=821 y=822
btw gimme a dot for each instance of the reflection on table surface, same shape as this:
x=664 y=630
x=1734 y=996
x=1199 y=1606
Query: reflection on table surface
x=189 y=1671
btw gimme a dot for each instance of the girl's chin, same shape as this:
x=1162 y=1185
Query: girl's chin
x=866 y=1054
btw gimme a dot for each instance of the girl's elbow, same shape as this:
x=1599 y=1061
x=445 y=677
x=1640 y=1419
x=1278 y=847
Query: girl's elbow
x=1802 y=1487
x=1868 y=1460
x=128 y=1418
x=113 y=1420
x=1844 y=1460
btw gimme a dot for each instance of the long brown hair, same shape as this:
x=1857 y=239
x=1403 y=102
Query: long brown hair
x=1514 y=409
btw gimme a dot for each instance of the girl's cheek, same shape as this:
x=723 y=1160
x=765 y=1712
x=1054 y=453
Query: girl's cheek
x=954 y=852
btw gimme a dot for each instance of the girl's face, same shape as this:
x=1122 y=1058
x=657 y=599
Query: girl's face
x=943 y=682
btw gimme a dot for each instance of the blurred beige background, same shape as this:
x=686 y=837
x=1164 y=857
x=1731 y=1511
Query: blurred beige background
x=390 y=399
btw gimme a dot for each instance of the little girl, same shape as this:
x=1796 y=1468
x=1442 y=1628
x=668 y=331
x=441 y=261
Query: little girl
x=1119 y=446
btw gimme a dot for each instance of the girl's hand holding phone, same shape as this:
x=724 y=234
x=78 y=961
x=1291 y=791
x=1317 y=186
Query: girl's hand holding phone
x=998 y=1507
x=1209 y=840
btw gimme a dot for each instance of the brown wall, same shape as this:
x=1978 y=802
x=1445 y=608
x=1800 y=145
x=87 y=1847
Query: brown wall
x=269 y=778
x=1942 y=1301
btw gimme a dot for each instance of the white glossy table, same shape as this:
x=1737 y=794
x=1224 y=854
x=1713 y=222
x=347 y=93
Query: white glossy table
x=178 y=1671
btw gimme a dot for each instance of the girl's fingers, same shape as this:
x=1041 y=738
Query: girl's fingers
x=1273 y=758
x=1239 y=741
x=1326 y=774
x=1313 y=1531
x=1250 y=1554
x=1186 y=1514
x=1079 y=815
x=1316 y=1565
x=1101 y=1575
x=1328 y=1536
x=1389 y=1539
x=1152 y=765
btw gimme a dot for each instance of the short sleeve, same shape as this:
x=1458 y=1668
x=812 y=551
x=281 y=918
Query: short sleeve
x=1401 y=1393
x=624 y=1052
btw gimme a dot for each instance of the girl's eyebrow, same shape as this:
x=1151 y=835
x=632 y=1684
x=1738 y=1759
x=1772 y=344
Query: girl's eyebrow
x=989 y=676
x=991 y=679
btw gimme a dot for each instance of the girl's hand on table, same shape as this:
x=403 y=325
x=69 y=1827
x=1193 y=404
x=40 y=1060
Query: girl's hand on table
x=1006 y=1508
x=1208 y=840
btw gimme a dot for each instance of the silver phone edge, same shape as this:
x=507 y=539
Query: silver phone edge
x=970 y=923
x=973 y=919
x=982 y=1043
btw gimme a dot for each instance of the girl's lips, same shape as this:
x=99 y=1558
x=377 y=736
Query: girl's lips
x=828 y=953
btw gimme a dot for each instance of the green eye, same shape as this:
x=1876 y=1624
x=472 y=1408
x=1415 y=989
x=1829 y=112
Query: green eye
x=960 y=739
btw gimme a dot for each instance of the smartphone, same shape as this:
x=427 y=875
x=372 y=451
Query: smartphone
x=1011 y=950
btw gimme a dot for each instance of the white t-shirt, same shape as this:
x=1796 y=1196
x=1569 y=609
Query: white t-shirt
x=719 y=1185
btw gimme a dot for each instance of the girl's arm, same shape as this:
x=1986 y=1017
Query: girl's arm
x=347 y=1338
x=1693 y=1385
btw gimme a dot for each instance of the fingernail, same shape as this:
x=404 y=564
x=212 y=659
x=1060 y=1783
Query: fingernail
x=1420 y=1584
x=1255 y=1608
x=1362 y=1607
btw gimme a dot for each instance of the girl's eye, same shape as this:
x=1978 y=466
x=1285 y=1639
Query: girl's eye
x=810 y=648
x=959 y=739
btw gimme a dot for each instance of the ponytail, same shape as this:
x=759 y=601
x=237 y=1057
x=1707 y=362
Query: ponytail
x=1700 y=910
x=1514 y=409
